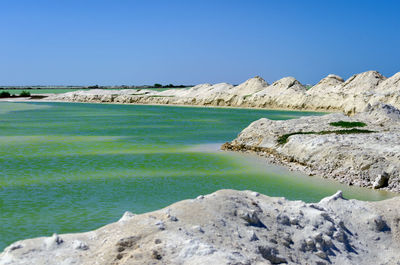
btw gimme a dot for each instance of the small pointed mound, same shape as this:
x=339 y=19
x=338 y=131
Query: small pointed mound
x=327 y=83
x=362 y=82
x=220 y=88
x=208 y=91
x=251 y=86
x=330 y=80
x=200 y=87
x=390 y=84
x=287 y=83
x=282 y=86
x=191 y=92
x=334 y=77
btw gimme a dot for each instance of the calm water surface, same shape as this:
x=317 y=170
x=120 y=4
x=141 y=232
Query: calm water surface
x=68 y=167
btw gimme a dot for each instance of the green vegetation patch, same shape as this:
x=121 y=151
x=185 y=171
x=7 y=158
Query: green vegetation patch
x=284 y=138
x=348 y=124
x=5 y=94
x=25 y=94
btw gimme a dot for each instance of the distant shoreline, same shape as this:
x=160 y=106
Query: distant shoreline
x=91 y=87
x=44 y=100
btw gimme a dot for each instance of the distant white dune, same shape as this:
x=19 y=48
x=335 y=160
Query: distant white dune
x=332 y=93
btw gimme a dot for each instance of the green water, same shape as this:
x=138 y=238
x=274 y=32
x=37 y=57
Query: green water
x=68 y=167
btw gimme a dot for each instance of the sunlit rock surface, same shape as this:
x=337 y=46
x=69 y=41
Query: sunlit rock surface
x=332 y=93
x=357 y=158
x=231 y=227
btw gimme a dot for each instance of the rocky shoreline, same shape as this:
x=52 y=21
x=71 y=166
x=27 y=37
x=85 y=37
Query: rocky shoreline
x=231 y=227
x=365 y=157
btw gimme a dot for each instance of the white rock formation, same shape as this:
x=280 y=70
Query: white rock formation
x=391 y=84
x=364 y=82
x=325 y=94
x=332 y=93
x=329 y=82
x=231 y=227
x=354 y=158
x=251 y=86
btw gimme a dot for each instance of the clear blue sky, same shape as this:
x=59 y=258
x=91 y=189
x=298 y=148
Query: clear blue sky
x=85 y=42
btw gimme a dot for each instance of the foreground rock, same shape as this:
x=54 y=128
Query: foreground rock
x=332 y=93
x=231 y=227
x=364 y=159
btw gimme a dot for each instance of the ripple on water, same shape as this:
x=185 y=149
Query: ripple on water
x=74 y=167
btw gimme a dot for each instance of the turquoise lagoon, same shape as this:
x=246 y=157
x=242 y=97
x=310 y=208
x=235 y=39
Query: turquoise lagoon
x=68 y=167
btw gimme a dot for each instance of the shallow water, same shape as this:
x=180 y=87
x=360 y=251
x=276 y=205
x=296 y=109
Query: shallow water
x=67 y=167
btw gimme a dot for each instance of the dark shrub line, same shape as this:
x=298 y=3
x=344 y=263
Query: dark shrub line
x=25 y=94
x=6 y=94
x=284 y=138
x=348 y=124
